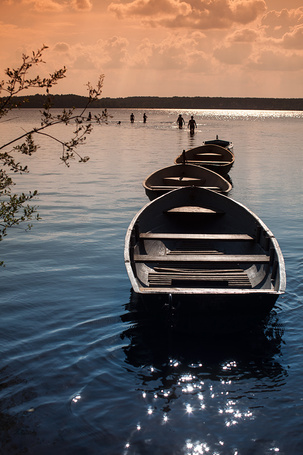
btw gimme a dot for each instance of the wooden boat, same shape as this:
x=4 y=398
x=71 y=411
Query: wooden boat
x=207 y=258
x=226 y=144
x=179 y=175
x=214 y=157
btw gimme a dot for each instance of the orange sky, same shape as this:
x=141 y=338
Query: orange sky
x=232 y=48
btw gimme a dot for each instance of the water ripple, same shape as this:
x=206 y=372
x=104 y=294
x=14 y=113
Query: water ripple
x=82 y=372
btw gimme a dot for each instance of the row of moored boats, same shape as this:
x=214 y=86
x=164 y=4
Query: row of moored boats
x=194 y=251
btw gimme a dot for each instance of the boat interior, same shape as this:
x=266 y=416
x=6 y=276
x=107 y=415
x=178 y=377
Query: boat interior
x=171 y=256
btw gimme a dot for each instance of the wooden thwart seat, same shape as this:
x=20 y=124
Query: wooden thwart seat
x=182 y=179
x=201 y=162
x=254 y=258
x=176 y=236
x=209 y=154
x=174 y=187
x=166 y=187
x=194 y=209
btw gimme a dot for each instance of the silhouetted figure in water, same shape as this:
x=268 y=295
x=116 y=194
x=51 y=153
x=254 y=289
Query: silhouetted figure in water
x=132 y=118
x=144 y=117
x=89 y=117
x=180 y=121
x=192 y=125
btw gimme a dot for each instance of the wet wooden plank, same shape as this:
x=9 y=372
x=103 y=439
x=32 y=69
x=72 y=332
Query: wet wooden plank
x=193 y=209
x=254 y=258
x=177 y=236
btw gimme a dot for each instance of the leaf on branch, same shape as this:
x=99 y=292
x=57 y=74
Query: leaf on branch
x=28 y=147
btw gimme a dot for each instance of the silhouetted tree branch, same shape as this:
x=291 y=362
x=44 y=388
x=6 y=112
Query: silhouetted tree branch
x=13 y=207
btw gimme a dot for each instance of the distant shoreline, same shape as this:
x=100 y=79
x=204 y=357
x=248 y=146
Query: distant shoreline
x=175 y=102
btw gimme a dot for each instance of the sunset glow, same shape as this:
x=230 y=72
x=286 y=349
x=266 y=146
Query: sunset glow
x=237 y=48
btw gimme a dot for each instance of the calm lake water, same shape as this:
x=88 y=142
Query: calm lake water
x=80 y=372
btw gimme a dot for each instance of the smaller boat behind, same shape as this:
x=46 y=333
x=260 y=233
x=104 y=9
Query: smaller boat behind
x=226 y=144
x=180 y=175
x=214 y=157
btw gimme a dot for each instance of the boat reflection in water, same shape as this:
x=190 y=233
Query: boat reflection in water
x=199 y=385
x=154 y=342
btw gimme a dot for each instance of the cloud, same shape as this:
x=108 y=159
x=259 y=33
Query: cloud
x=174 y=54
x=198 y=62
x=233 y=54
x=237 y=47
x=247 y=11
x=62 y=47
x=276 y=23
x=7 y=30
x=196 y=14
x=44 y=5
x=294 y=39
x=104 y=54
x=163 y=56
x=84 y=62
x=270 y=60
x=146 y=8
x=81 y=5
x=114 y=52
x=244 y=36
x=55 y=6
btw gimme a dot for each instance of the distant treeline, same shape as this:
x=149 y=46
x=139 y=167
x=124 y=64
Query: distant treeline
x=175 y=102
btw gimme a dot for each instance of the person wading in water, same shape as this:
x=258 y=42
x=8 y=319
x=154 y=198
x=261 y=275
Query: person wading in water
x=192 y=125
x=180 y=121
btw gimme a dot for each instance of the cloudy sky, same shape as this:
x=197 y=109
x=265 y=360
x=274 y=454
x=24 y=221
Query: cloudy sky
x=231 y=48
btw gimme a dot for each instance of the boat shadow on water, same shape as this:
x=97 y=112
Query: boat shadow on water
x=153 y=342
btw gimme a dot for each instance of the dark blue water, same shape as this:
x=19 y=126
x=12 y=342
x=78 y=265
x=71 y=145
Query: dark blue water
x=80 y=371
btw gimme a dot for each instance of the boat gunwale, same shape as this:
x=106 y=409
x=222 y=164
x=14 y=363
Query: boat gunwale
x=206 y=291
